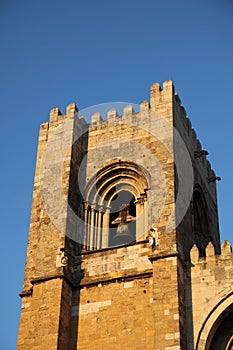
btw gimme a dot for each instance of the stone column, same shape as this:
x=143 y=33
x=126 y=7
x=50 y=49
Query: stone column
x=105 y=229
x=139 y=217
x=92 y=227
x=88 y=226
x=96 y=228
x=100 y=225
x=85 y=205
x=145 y=214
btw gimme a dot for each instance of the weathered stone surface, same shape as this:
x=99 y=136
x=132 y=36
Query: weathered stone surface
x=80 y=291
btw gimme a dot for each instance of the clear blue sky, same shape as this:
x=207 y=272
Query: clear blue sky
x=90 y=52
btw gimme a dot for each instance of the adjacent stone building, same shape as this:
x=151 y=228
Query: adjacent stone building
x=124 y=247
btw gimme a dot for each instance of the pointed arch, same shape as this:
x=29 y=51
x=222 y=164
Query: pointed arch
x=217 y=323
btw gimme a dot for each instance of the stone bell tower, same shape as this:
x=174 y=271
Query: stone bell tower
x=117 y=206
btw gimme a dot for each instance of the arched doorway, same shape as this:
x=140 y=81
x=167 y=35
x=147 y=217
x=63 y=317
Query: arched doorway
x=215 y=325
x=221 y=335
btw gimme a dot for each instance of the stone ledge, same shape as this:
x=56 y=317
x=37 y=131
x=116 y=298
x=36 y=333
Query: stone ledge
x=51 y=277
x=114 y=279
x=164 y=255
x=25 y=293
x=113 y=248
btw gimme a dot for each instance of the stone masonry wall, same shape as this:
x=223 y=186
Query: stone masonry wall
x=115 y=316
x=39 y=322
x=130 y=296
x=202 y=172
x=111 y=308
x=212 y=290
x=45 y=291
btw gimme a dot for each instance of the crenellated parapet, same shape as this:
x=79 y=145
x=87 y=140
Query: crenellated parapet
x=210 y=255
x=211 y=289
x=161 y=97
x=161 y=101
x=96 y=118
x=112 y=117
x=199 y=156
x=144 y=105
x=57 y=117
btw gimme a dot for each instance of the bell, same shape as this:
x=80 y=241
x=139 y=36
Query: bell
x=123 y=234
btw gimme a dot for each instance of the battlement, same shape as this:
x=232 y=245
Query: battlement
x=210 y=255
x=56 y=117
x=163 y=100
x=160 y=97
x=156 y=95
x=113 y=117
x=211 y=290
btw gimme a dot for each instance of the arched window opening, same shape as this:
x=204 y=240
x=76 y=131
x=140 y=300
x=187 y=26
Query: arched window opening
x=122 y=219
x=116 y=206
x=201 y=227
